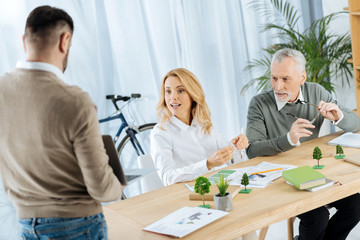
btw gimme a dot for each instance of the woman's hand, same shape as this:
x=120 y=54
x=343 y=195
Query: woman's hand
x=220 y=157
x=240 y=142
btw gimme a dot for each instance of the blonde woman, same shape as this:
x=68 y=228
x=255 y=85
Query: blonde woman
x=184 y=144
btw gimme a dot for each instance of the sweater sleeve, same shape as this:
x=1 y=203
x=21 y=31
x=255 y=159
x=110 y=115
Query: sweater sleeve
x=169 y=173
x=259 y=142
x=99 y=179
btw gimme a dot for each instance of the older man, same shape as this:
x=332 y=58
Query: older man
x=291 y=113
x=53 y=163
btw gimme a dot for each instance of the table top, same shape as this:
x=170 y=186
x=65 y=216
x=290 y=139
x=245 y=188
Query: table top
x=261 y=208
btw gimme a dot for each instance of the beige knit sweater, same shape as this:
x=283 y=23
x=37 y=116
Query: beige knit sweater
x=52 y=159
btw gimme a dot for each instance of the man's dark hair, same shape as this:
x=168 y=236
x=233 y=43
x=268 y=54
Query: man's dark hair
x=43 y=23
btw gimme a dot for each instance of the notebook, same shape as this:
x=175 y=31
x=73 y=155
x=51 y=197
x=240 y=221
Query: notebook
x=114 y=161
x=304 y=177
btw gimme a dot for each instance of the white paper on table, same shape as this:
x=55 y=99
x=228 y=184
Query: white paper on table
x=185 y=220
x=257 y=181
x=347 y=140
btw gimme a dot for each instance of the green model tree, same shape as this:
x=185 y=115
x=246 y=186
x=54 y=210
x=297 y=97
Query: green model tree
x=202 y=186
x=317 y=154
x=339 y=150
x=245 y=180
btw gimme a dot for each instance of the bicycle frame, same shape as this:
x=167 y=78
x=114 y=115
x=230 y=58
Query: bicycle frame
x=128 y=130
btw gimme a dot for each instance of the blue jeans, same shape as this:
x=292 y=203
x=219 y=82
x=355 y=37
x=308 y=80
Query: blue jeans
x=87 y=228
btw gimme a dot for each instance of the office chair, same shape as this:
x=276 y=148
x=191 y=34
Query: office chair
x=151 y=181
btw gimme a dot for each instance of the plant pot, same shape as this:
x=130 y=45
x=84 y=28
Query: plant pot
x=223 y=203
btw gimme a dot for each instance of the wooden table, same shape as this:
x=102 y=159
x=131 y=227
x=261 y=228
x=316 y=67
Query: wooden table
x=261 y=208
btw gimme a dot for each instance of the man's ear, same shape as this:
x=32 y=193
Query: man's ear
x=303 y=78
x=65 y=41
x=23 y=39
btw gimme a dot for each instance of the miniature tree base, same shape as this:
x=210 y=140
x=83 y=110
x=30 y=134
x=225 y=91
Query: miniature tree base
x=245 y=191
x=318 y=167
x=204 y=206
x=339 y=156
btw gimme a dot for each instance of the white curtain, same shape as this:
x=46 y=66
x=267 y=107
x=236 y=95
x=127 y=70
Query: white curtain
x=127 y=46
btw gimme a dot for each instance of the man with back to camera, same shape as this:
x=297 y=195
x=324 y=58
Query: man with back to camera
x=53 y=163
x=271 y=128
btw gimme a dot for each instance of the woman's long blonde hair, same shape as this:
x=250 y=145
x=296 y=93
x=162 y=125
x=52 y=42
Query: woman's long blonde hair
x=199 y=109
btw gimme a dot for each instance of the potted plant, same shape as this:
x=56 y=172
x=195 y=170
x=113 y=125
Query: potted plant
x=339 y=152
x=317 y=155
x=223 y=200
x=325 y=52
x=202 y=186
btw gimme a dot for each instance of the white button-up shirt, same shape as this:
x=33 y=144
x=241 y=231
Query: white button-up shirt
x=181 y=151
x=42 y=66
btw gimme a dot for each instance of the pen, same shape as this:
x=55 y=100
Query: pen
x=190 y=188
x=267 y=171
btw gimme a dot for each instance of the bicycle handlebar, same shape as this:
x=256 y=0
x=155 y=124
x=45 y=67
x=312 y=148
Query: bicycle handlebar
x=115 y=97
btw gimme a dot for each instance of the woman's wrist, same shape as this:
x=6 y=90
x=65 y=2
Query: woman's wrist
x=209 y=165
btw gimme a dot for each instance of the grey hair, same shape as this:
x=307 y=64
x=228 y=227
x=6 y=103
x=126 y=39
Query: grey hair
x=292 y=53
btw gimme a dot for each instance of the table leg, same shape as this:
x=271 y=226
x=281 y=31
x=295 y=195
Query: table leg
x=263 y=232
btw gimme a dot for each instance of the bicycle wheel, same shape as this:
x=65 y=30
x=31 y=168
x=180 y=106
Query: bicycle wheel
x=127 y=153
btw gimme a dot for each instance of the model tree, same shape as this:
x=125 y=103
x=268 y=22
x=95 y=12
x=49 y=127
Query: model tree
x=245 y=182
x=202 y=186
x=339 y=152
x=317 y=155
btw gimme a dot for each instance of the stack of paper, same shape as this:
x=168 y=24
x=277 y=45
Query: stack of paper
x=347 y=140
x=258 y=180
x=328 y=183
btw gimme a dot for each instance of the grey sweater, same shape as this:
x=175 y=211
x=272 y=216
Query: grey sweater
x=52 y=158
x=267 y=127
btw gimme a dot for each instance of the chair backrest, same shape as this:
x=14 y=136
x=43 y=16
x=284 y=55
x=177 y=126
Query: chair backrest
x=151 y=181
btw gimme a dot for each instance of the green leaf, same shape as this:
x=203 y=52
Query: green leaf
x=222 y=184
x=326 y=53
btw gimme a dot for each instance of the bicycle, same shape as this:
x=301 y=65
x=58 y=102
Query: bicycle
x=137 y=139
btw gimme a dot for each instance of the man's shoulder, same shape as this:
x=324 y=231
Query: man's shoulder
x=7 y=76
x=313 y=87
x=314 y=91
x=263 y=97
x=75 y=96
